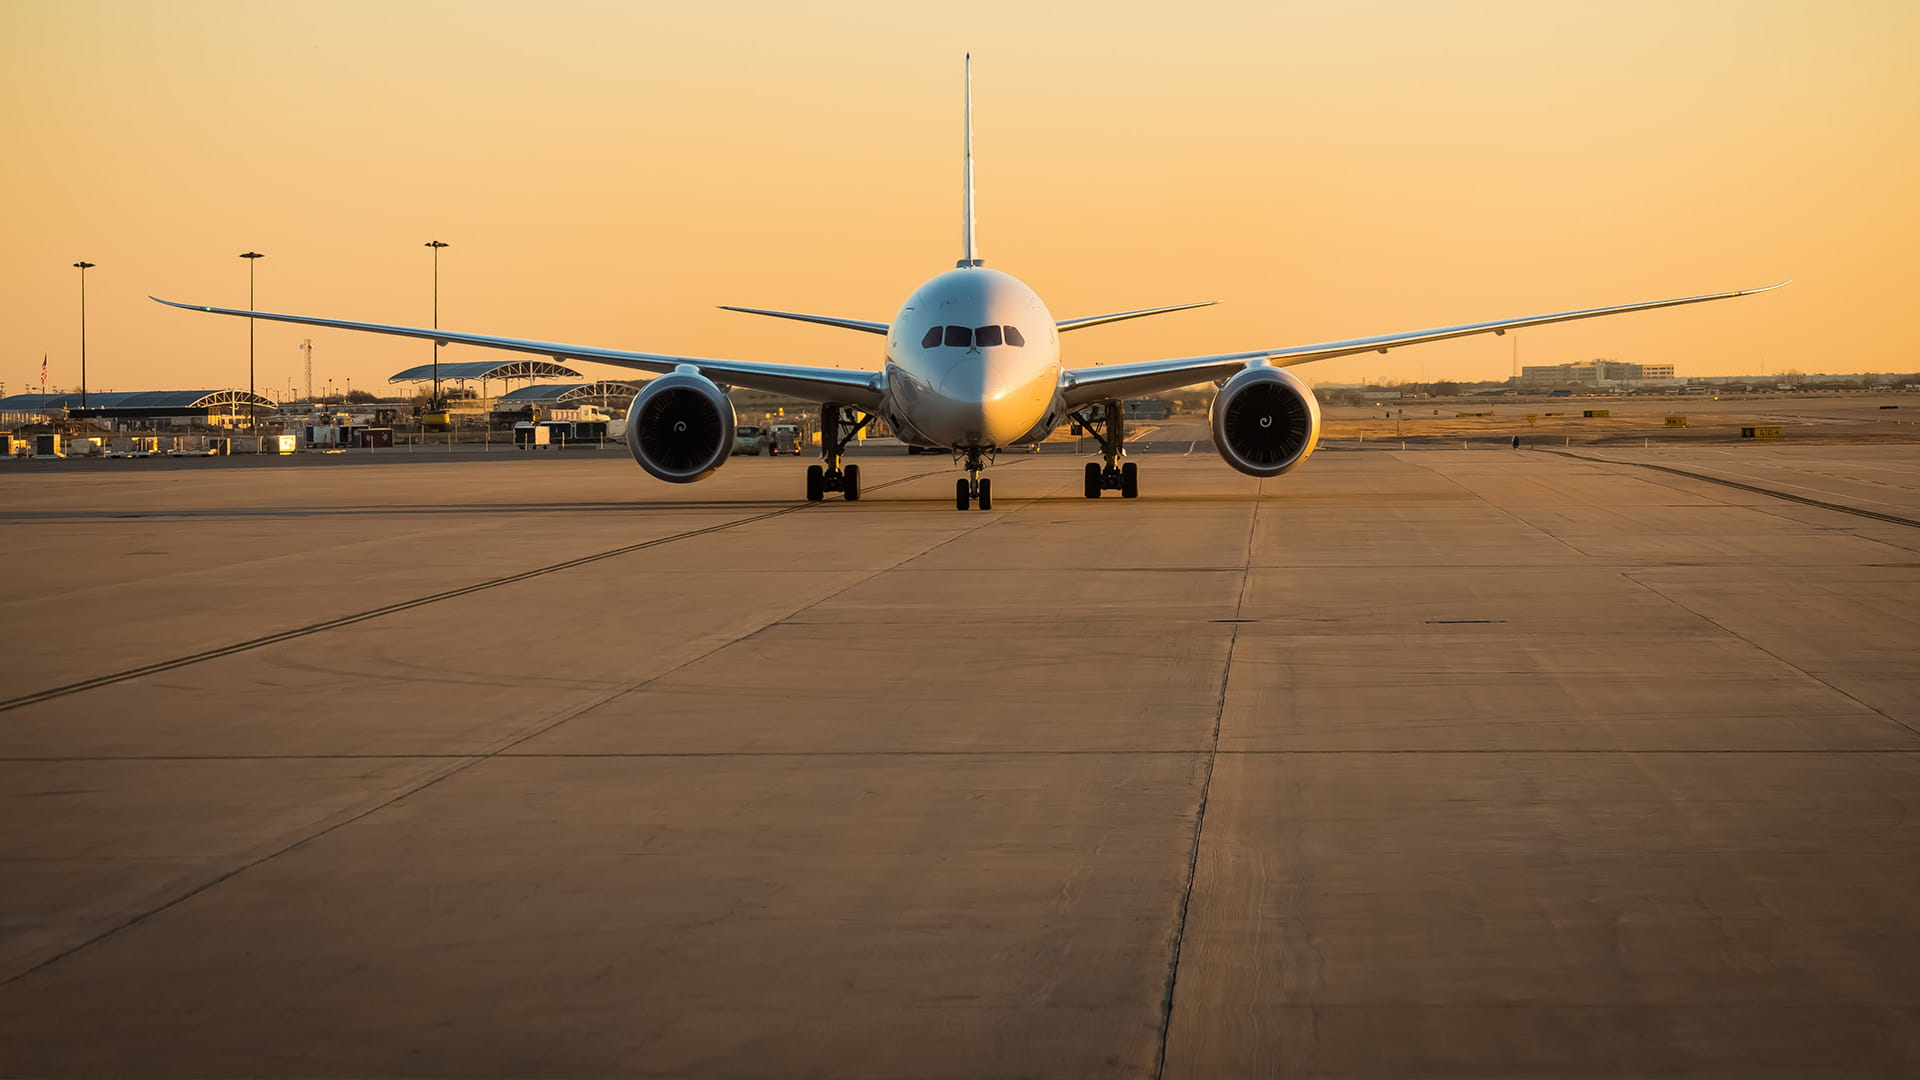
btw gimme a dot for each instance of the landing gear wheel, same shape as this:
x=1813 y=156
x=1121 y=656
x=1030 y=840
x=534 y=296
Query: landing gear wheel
x=816 y=489
x=986 y=494
x=1129 y=481
x=961 y=496
x=1093 y=479
x=850 y=483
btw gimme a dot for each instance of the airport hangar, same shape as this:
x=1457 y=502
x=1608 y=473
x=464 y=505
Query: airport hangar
x=613 y=395
x=149 y=407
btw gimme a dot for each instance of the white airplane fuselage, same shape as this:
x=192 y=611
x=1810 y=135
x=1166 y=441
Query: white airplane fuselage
x=955 y=376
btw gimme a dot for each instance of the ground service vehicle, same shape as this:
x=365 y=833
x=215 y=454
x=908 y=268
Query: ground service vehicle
x=748 y=439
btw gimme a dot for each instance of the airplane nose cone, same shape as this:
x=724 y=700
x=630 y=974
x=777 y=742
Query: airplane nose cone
x=997 y=399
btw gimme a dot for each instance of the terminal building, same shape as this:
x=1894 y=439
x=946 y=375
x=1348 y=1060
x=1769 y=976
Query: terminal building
x=137 y=409
x=1594 y=373
x=611 y=395
x=486 y=373
x=501 y=403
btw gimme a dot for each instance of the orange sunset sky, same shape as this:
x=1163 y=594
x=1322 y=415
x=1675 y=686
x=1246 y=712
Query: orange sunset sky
x=606 y=173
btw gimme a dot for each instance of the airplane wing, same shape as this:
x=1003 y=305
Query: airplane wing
x=1120 y=316
x=1083 y=385
x=824 y=320
x=858 y=388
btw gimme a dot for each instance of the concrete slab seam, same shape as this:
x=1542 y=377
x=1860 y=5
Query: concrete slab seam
x=900 y=565
x=674 y=755
x=1754 y=488
x=1723 y=628
x=1510 y=515
x=1206 y=793
x=460 y=764
x=391 y=609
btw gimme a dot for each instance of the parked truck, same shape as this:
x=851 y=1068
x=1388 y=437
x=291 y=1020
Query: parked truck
x=785 y=439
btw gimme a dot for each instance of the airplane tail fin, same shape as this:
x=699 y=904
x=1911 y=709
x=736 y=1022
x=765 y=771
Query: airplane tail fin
x=969 y=256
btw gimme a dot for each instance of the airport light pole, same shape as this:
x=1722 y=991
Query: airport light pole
x=436 y=245
x=83 y=266
x=251 y=257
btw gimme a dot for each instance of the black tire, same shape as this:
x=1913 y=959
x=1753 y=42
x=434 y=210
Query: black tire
x=915 y=450
x=961 y=496
x=1093 y=479
x=816 y=487
x=1129 y=481
x=986 y=494
x=850 y=483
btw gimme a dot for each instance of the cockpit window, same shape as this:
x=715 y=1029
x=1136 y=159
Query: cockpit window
x=981 y=337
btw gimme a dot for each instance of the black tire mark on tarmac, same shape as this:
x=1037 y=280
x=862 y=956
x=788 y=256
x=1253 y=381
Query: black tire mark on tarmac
x=1892 y=519
x=404 y=605
x=456 y=764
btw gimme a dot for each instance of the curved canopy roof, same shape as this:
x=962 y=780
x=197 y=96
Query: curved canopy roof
x=560 y=393
x=157 y=401
x=490 y=369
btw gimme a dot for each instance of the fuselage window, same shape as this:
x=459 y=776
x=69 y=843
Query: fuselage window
x=986 y=336
x=1013 y=336
x=932 y=338
x=959 y=337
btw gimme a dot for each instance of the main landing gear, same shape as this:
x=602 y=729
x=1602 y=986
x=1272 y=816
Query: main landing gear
x=835 y=433
x=1107 y=423
x=974 y=488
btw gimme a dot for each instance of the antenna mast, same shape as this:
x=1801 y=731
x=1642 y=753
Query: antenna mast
x=969 y=257
x=307 y=348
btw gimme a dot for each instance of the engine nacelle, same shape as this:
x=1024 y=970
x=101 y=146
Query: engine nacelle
x=680 y=427
x=1265 y=421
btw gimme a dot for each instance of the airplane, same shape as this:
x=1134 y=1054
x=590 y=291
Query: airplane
x=972 y=365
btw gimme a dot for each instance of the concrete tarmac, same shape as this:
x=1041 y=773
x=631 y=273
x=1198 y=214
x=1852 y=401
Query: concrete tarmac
x=1483 y=763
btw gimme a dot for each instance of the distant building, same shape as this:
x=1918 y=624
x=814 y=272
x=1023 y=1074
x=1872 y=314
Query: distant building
x=138 y=408
x=1594 y=373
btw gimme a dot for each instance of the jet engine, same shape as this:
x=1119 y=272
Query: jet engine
x=680 y=427
x=1265 y=421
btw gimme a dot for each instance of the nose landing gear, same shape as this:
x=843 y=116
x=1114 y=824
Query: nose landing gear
x=835 y=433
x=975 y=488
x=1107 y=423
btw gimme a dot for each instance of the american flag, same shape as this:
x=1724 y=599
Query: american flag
x=43 y=374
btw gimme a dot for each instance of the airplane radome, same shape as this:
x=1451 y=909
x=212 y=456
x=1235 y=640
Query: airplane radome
x=972 y=364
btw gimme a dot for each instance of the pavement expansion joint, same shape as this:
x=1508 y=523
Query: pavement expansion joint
x=1169 y=1000
x=405 y=605
x=1756 y=489
x=1030 y=814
